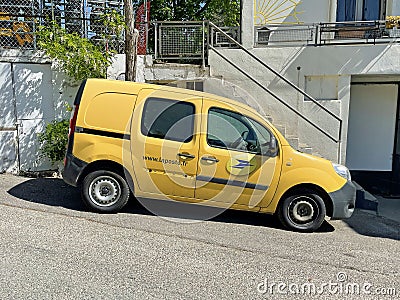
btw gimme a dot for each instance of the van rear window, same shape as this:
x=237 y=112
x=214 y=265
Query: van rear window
x=168 y=119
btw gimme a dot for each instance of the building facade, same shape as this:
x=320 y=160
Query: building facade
x=342 y=53
x=326 y=72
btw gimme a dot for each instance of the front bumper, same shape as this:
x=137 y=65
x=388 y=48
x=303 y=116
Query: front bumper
x=73 y=169
x=344 y=201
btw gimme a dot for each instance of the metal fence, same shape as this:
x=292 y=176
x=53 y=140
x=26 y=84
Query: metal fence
x=353 y=32
x=20 y=20
x=281 y=34
x=175 y=41
x=188 y=41
x=180 y=40
x=358 y=32
x=220 y=39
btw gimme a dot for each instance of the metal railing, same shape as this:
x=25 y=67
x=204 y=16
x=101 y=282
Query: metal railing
x=180 y=40
x=193 y=40
x=352 y=32
x=219 y=40
x=188 y=41
x=284 y=34
x=336 y=139
x=319 y=34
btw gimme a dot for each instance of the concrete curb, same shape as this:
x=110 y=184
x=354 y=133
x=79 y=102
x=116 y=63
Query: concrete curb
x=365 y=200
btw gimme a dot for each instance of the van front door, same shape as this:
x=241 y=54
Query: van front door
x=237 y=159
x=164 y=146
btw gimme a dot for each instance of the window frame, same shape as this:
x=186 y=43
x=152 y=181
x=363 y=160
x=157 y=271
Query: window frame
x=145 y=132
x=359 y=11
x=272 y=135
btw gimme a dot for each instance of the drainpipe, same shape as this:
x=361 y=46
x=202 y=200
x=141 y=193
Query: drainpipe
x=247 y=24
x=332 y=10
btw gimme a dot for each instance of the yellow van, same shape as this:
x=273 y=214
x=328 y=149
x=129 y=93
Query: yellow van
x=162 y=142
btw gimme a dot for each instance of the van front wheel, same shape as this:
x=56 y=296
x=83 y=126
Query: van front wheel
x=104 y=191
x=303 y=211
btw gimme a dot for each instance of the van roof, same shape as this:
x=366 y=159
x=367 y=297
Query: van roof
x=136 y=86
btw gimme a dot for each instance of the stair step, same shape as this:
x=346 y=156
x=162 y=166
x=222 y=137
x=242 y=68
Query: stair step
x=307 y=150
x=281 y=129
x=365 y=200
x=269 y=118
x=293 y=141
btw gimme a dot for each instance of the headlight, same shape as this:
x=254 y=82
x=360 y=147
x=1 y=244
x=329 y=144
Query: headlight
x=342 y=171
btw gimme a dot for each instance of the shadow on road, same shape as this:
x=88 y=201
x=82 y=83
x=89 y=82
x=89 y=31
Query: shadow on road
x=49 y=191
x=371 y=225
x=55 y=192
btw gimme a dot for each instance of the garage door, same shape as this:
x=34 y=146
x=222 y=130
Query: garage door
x=371 y=130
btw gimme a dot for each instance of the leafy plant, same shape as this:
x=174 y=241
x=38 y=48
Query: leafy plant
x=79 y=58
x=54 y=140
x=222 y=12
x=392 y=22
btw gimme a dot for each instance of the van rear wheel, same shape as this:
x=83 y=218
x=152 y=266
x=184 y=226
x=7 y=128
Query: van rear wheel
x=302 y=211
x=104 y=191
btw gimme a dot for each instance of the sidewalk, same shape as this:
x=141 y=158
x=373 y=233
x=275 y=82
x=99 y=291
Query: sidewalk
x=382 y=206
x=389 y=208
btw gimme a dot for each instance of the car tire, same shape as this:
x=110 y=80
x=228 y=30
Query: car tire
x=105 y=191
x=303 y=211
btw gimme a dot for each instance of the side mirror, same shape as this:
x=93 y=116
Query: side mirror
x=271 y=148
x=274 y=147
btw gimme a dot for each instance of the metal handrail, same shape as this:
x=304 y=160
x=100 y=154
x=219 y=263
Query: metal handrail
x=336 y=140
x=277 y=74
x=275 y=96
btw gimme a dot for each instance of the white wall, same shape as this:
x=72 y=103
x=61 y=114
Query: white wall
x=330 y=61
x=393 y=8
x=292 y=12
x=38 y=96
x=147 y=71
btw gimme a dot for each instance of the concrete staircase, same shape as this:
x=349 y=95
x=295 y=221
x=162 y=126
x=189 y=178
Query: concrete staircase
x=219 y=86
x=292 y=139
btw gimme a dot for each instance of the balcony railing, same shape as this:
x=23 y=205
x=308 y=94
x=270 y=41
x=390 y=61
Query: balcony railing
x=358 y=32
x=285 y=34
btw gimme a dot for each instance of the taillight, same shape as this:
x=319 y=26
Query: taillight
x=72 y=121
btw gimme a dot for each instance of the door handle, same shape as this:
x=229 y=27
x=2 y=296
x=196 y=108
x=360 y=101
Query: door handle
x=186 y=155
x=210 y=158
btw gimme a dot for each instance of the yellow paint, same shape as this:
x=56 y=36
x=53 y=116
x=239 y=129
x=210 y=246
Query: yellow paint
x=276 y=12
x=257 y=183
x=242 y=164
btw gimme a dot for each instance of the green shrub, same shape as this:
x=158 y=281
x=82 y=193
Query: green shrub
x=79 y=58
x=54 y=140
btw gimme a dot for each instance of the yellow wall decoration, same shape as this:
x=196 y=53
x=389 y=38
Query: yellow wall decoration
x=276 y=12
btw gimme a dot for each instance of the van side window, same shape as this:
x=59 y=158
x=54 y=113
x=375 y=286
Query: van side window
x=168 y=119
x=230 y=130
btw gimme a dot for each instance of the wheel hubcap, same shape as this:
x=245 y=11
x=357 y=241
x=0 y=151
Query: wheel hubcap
x=104 y=191
x=303 y=210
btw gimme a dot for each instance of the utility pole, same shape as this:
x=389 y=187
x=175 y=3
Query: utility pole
x=131 y=40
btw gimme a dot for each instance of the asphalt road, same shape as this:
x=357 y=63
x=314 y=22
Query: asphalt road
x=52 y=248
